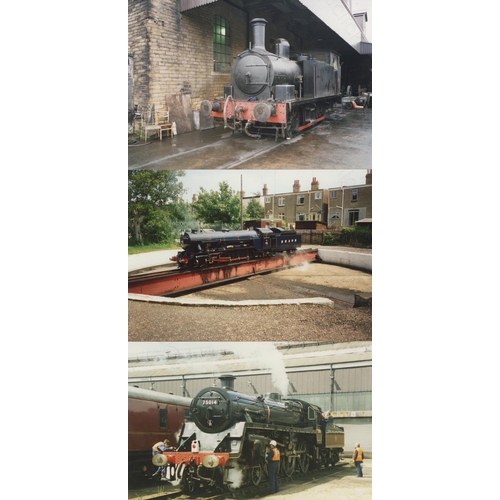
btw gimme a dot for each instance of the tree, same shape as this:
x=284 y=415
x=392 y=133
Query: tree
x=254 y=210
x=218 y=207
x=153 y=204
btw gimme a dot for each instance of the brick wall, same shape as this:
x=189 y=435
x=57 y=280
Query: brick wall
x=172 y=52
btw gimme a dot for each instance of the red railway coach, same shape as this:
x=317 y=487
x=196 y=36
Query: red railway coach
x=152 y=417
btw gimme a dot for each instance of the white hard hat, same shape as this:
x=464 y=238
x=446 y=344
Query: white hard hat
x=273 y=443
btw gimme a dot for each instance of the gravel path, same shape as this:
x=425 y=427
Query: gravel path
x=304 y=322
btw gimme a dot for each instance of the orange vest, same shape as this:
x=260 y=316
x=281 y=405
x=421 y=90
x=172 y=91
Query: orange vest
x=276 y=455
x=359 y=458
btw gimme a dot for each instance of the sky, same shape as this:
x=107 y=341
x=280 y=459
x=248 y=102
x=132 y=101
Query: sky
x=278 y=181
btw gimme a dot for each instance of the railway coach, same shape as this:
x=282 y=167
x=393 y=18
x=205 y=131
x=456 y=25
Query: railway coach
x=152 y=417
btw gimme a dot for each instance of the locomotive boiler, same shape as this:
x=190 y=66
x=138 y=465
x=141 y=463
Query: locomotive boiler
x=207 y=248
x=270 y=92
x=225 y=440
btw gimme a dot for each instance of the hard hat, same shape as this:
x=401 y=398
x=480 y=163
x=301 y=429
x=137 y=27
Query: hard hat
x=273 y=443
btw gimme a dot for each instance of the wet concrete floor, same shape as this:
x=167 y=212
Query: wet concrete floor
x=343 y=140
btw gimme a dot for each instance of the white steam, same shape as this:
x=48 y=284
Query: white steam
x=265 y=355
x=235 y=477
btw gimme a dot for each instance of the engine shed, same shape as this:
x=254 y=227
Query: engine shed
x=334 y=376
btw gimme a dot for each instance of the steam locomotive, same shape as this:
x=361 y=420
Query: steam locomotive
x=224 y=441
x=206 y=248
x=271 y=93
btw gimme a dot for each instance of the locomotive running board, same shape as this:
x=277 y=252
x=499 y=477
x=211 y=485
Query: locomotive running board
x=198 y=278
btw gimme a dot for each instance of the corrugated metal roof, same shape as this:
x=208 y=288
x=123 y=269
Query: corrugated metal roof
x=191 y=4
x=295 y=358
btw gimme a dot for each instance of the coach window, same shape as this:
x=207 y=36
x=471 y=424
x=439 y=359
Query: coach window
x=222 y=45
x=163 y=418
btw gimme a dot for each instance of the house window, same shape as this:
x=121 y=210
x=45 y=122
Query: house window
x=281 y=215
x=354 y=195
x=333 y=194
x=222 y=45
x=300 y=199
x=353 y=217
x=335 y=215
x=300 y=216
x=318 y=196
x=281 y=201
x=268 y=199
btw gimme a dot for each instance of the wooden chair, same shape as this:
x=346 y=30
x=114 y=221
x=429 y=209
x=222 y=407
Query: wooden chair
x=163 y=120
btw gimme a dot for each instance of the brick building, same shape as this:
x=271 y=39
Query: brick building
x=348 y=204
x=180 y=51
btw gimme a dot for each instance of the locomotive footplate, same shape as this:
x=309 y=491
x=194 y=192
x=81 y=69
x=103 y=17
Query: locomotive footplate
x=174 y=283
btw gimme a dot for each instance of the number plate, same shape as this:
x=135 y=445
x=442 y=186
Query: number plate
x=210 y=401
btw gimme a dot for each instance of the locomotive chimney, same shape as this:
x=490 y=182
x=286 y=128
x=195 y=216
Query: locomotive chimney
x=265 y=190
x=296 y=186
x=314 y=184
x=258 y=28
x=227 y=381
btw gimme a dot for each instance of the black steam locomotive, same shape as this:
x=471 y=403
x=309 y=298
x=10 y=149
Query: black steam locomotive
x=224 y=441
x=206 y=248
x=270 y=92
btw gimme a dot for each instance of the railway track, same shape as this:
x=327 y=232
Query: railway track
x=171 y=282
x=254 y=491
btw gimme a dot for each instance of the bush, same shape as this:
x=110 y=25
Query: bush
x=330 y=239
x=356 y=237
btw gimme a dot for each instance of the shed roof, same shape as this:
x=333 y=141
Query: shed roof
x=259 y=357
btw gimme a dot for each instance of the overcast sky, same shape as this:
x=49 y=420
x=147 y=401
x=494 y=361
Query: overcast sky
x=278 y=181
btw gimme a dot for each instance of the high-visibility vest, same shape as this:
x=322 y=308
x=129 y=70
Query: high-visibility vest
x=276 y=455
x=359 y=457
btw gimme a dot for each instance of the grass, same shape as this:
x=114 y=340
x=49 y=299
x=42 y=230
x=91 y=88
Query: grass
x=153 y=247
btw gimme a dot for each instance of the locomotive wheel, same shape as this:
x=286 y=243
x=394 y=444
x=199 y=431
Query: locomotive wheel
x=292 y=124
x=288 y=465
x=304 y=458
x=256 y=475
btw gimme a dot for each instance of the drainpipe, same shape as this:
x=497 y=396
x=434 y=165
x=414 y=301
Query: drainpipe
x=332 y=386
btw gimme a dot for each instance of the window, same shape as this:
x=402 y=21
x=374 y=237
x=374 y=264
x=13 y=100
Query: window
x=318 y=196
x=354 y=195
x=353 y=216
x=333 y=194
x=268 y=199
x=335 y=215
x=281 y=201
x=300 y=216
x=163 y=418
x=281 y=215
x=300 y=199
x=222 y=45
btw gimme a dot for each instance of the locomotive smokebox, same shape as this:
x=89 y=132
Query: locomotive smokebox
x=258 y=27
x=227 y=381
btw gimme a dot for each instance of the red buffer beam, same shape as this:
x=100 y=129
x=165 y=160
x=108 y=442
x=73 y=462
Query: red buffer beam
x=188 y=280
